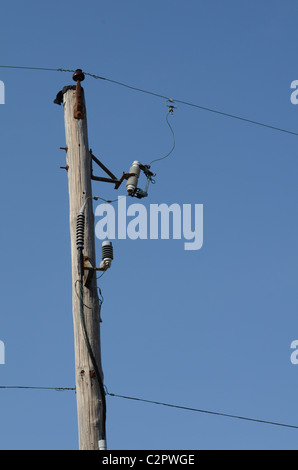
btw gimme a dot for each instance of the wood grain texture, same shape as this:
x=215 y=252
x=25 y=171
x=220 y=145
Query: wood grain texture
x=79 y=182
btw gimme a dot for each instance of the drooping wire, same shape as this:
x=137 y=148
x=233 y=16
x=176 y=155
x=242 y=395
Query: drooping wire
x=79 y=295
x=109 y=201
x=101 y=300
x=80 y=281
x=93 y=360
x=101 y=275
x=173 y=146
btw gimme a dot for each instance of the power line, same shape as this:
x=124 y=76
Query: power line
x=202 y=411
x=34 y=68
x=153 y=402
x=18 y=387
x=204 y=108
x=158 y=95
x=191 y=105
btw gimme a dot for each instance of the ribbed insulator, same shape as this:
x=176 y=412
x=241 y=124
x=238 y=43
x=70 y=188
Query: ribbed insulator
x=80 y=230
x=107 y=250
x=132 y=181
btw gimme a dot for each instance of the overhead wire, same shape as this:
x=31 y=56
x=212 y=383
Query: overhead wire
x=47 y=69
x=158 y=95
x=215 y=413
x=154 y=402
x=186 y=103
x=23 y=387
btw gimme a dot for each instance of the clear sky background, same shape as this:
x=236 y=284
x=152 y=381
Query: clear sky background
x=209 y=329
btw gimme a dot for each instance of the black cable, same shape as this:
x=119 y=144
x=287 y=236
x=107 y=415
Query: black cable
x=258 y=123
x=173 y=146
x=88 y=344
x=34 y=68
x=127 y=86
x=186 y=103
x=186 y=408
x=202 y=411
x=158 y=95
x=18 y=387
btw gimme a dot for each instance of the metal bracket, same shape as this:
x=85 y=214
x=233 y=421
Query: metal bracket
x=113 y=179
x=171 y=106
x=89 y=271
x=117 y=182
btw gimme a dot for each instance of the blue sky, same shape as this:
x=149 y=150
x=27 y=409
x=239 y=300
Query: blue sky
x=209 y=329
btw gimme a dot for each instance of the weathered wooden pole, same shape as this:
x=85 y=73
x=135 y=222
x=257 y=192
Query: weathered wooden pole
x=86 y=308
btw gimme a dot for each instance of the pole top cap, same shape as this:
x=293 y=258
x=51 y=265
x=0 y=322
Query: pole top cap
x=78 y=75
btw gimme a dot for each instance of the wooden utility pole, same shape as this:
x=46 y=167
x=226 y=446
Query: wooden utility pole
x=86 y=307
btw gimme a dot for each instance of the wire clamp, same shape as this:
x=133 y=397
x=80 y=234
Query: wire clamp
x=171 y=105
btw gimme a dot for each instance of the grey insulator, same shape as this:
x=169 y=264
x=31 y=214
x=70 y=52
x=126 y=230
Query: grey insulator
x=107 y=250
x=132 y=181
